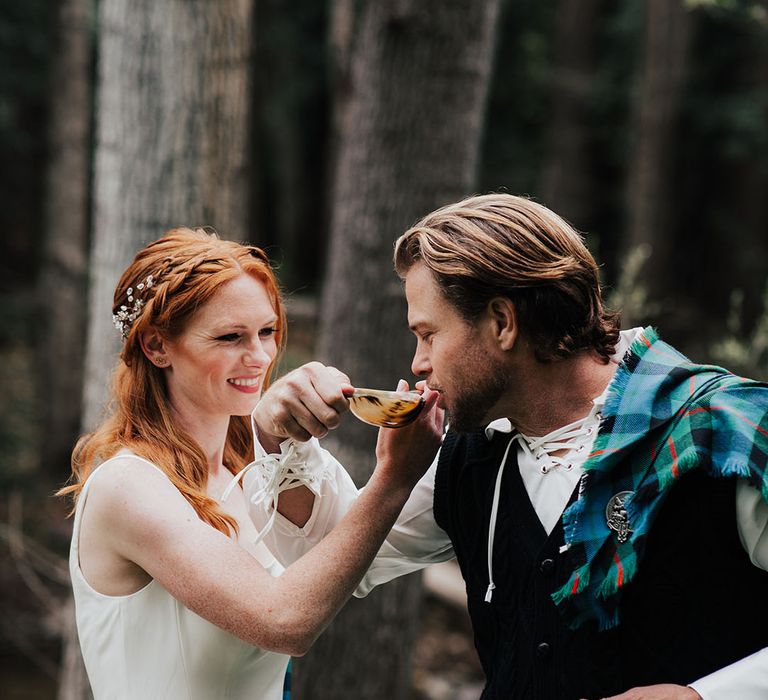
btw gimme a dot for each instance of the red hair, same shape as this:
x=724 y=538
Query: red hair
x=188 y=267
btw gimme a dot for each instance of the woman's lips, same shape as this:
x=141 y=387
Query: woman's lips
x=246 y=385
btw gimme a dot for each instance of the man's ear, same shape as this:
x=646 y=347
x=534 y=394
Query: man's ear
x=501 y=312
x=154 y=348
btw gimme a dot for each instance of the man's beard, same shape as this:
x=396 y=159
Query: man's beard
x=473 y=404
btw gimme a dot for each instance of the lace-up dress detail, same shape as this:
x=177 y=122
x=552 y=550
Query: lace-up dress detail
x=269 y=475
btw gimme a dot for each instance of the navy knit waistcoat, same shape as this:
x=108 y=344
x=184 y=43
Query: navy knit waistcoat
x=696 y=604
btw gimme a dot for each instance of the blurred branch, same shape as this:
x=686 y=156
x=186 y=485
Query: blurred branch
x=630 y=296
x=754 y=10
x=30 y=557
x=746 y=353
x=24 y=642
x=32 y=562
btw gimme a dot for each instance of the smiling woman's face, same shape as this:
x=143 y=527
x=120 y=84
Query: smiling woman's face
x=219 y=363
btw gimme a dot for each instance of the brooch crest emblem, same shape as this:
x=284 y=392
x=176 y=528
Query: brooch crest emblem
x=616 y=515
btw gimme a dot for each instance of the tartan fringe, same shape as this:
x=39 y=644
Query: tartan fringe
x=608 y=620
x=679 y=406
x=615 y=391
x=737 y=467
x=610 y=585
x=577 y=582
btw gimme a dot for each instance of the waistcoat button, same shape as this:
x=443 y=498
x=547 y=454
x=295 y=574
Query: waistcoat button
x=543 y=651
x=547 y=567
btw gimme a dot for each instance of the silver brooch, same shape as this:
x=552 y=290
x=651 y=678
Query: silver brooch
x=616 y=515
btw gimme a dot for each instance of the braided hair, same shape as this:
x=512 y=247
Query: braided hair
x=167 y=282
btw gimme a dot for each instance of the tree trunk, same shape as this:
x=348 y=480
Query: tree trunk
x=744 y=255
x=171 y=148
x=63 y=272
x=62 y=286
x=172 y=142
x=651 y=179
x=565 y=180
x=410 y=131
x=293 y=130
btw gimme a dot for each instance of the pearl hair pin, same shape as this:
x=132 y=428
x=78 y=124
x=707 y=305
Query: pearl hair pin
x=127 y=314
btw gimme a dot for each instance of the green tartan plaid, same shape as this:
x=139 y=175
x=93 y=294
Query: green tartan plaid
x=664 y=417
x=287 y=681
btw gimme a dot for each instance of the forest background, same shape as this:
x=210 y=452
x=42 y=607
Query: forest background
x=320 y=131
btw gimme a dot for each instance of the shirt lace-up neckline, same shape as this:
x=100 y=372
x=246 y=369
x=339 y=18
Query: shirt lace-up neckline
x=571 y=442
x=574 y=436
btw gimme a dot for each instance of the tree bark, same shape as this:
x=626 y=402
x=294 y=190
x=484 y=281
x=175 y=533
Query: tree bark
x=172 y=142
x=293 y=136
x=651 y=178
x=63 y=271
x=565 y=179
x=171 y=149
x=62 y=286
x=410 y=126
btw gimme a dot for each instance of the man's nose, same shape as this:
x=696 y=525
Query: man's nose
x=420 y=366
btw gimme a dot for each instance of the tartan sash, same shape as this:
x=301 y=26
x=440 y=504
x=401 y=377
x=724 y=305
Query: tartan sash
x=287 y=681
x=664 y=417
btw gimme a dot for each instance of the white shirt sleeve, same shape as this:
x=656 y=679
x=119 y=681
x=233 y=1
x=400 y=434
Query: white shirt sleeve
x=416 y=540
x=746 y=679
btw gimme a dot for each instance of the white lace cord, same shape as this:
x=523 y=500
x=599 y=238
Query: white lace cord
x=278 y=473
x=258 y=464
x=565 y=438
x=569 y=437
x=492 y=524
x=276 y=478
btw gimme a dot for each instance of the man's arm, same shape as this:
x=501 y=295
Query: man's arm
x=415 y=541
x=303 y=406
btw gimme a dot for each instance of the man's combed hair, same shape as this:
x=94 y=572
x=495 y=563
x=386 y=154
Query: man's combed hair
x=499 y=245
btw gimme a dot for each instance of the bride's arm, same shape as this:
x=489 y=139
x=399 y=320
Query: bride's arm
x=210 y=574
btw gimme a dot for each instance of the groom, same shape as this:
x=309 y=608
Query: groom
x=604 y=496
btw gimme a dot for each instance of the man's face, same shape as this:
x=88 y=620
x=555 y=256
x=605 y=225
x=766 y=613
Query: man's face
x=455 y=356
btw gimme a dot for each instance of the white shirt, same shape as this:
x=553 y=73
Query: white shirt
x=416 y=540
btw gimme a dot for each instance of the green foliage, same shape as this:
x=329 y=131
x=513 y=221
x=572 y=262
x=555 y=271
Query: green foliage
x=630 y=295
x=742 y=352
x=25 y=52
x=518 y=99
x=744 y=10
x=19 y=408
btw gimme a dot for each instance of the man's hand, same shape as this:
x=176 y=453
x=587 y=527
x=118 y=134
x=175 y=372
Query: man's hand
x=665 y=691
x=305 y=403
x=404 y=454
